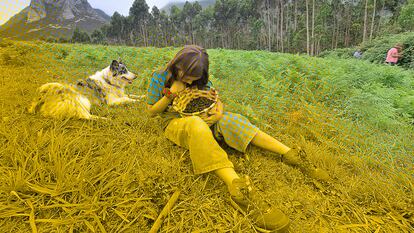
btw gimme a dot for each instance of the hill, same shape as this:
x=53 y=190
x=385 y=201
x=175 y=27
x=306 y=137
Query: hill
x=352 y=117
x=46 y=18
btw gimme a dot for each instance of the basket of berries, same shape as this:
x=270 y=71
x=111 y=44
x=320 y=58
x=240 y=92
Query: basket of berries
x=195 y=102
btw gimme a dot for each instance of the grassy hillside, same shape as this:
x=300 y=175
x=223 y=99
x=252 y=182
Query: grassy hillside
x=354 y=118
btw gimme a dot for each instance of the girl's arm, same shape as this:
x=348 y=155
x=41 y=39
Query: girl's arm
x=163 y=103
x=159 y=107
x=216 y=113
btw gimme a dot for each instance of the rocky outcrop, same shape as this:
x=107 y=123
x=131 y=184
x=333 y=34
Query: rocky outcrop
x=63 y=9
x=53 y=18
x=36 y=12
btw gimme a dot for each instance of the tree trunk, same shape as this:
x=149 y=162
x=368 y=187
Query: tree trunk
x=288 y=9
x=296 y=16
x=380 y=16
x=313 y=29
x=269 y=45
x=307 y=28
x=373 y=20
x=281 y=25
x=222 y=38
x=364 y=35
x=333 y=32
x=276 y=27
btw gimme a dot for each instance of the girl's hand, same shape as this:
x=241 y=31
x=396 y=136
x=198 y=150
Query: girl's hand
x=215 y=113
x=177 y=86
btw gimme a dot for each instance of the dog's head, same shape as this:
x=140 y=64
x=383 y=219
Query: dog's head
x=119 y=74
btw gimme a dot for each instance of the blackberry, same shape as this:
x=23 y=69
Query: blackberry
x=198 y=104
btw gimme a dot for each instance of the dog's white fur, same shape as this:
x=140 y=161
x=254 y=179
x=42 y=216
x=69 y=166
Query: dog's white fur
x=59 y=100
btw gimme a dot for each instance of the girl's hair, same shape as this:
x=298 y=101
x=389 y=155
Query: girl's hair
x=192 y=60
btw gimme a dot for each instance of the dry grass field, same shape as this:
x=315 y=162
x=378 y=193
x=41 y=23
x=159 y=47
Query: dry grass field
x=353 y=118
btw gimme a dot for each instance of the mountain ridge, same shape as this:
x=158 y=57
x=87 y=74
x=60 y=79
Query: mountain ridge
x=53 y=18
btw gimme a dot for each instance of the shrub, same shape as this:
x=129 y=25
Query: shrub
x=376 y=50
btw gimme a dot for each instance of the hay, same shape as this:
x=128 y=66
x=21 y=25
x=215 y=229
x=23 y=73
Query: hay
x=116 y=176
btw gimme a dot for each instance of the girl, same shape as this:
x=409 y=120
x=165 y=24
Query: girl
x=189 y=67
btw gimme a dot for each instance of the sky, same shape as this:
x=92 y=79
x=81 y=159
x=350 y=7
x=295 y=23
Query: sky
x=9 y=8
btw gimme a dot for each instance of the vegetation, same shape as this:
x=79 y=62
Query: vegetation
x=286 y=26
x=376 y=50
x=355 y=119
x=80 y=36
x=406 y=18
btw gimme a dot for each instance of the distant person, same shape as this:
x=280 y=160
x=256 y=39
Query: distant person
x=358 y=54
x=394 y=54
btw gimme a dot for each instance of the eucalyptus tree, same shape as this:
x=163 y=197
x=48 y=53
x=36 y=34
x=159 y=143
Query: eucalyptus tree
x=155 y=31
x=308 y=26
x=140 y=18
x=116 y=27
x=226 y=16
x=406 y=18
x=177 y=25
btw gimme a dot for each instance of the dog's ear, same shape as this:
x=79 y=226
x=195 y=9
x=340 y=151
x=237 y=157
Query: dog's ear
x=114 y=65
x=120 y=59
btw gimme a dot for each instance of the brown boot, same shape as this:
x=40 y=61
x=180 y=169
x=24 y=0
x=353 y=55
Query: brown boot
x=265 y=218
x=297 y=157
x=292 y=157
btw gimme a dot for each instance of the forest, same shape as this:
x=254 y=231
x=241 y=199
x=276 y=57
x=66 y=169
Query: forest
x=292 y=26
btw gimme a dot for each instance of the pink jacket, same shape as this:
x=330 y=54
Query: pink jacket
x=391 y=52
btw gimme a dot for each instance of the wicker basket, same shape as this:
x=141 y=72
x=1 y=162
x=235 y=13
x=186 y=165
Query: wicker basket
x=185 y=97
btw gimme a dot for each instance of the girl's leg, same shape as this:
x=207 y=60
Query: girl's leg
x=289 y=156
x=205 y=153
x=207 y=156
x=227 y=175
x=269 y=143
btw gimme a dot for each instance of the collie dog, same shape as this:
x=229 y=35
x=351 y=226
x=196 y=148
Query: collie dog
x=59 y=100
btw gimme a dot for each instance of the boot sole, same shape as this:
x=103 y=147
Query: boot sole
x=237 y=207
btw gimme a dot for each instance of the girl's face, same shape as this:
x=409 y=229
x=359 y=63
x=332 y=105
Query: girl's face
x=186 y=78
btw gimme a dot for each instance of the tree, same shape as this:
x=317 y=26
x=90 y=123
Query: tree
x=80 y=36
x=116 y=27
x=364 y=35
x=97 y=37
x=140 y=17
x=307 y=28
x=373 y=20
x=276 y=25
x=406 y=18
x=156 y=27
x=189 y=12
x=176 y=19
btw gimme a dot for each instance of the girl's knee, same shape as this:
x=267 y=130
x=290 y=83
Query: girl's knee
x=197 y=125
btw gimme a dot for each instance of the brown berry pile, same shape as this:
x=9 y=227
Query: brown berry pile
x=198 y=104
